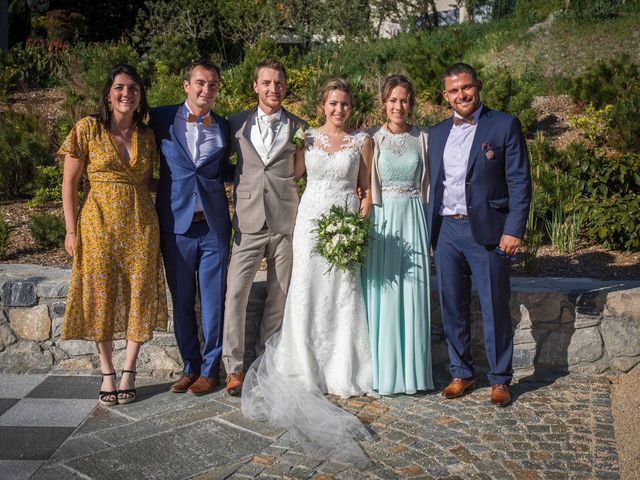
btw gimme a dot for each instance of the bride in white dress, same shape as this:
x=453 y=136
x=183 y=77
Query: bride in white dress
x=323 y=346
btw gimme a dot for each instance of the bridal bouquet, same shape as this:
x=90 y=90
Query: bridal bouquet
x=343 y=237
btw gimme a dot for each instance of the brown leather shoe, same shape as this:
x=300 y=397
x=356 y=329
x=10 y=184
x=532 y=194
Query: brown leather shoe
x=458 y=386
x=500 y=395
x=184 y=382
x=234 y=383
x=203 y=385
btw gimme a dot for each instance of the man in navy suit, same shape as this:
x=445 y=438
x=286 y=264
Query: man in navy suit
x=194 y=221
x=478 y=208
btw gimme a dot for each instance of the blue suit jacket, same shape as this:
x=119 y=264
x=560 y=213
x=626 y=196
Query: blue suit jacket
x=498 y=183
x=181 y=180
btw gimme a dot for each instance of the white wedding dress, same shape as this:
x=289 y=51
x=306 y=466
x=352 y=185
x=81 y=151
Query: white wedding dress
x=323 y=346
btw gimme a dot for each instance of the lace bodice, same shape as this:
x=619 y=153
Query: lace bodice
x=332 y=173
x=399 y=162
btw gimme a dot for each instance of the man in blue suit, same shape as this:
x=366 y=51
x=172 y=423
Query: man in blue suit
x=478 y=208
x=194 y=221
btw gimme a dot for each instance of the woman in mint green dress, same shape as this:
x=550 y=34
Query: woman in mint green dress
x=396 y=274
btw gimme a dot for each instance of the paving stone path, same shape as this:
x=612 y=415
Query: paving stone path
x=559 y=429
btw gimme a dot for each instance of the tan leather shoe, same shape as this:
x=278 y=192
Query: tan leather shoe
x=203 y=385
x=234 y=383
x=183 y=383
x=457 y=387
x=500 y=395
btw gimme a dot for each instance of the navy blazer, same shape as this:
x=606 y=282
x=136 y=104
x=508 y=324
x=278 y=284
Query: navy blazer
x=498 y=182
x=181 y=180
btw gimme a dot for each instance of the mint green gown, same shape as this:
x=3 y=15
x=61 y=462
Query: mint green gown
x=396 y=275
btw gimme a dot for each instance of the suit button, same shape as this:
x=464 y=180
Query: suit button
x=266 y=191
x=194 y=194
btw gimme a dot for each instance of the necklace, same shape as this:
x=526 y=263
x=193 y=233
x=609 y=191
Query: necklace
x=123 y=133
x=404 y=130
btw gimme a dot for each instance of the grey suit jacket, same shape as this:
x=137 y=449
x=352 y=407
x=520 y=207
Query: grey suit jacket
x=263 y=193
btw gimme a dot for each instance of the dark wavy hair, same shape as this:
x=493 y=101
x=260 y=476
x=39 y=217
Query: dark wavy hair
x=143 y=108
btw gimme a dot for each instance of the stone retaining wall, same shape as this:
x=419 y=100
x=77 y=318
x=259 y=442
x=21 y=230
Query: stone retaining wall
x=561 y=325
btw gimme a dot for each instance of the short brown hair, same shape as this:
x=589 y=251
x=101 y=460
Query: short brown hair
x=270 y=63
x=329 y=86
x=457 y=69
x=393 y=81
x=202 y=63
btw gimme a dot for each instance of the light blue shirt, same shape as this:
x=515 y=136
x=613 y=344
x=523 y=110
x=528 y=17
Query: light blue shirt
x=201 y=141
x=456 y=160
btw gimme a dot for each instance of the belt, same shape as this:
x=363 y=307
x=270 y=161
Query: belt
x=457 y=216
x=198 y=217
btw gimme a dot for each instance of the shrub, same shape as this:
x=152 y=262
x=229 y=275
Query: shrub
x=594 y=123
x=65 y=25
x=48 y=186
x=173 y=51
x=615 y=83
x=504 y=92
x=166 y=87
x=23 y=146
x=34 y=65
x=47 y=230
x=594 y=9
x=608 y=189
x=4 y=237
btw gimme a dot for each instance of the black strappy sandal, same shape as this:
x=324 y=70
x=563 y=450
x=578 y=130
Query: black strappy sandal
x=103 y=395
x=130 y=392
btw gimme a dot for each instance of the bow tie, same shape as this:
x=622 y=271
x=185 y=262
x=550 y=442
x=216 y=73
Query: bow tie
x=457 y=121
x=191 y=118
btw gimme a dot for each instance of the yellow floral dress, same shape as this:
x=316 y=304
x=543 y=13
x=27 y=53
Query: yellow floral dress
x=117 y=286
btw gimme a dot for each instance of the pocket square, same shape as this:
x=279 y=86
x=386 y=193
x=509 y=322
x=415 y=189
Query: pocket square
x=488 y=151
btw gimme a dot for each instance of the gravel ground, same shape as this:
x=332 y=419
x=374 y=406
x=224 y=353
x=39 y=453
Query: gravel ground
x=625 y=408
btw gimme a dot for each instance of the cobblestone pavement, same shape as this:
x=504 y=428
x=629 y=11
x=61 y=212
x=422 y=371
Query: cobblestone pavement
x=560 y=429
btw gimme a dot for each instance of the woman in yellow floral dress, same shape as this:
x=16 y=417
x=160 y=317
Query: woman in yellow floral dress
x=117 y=287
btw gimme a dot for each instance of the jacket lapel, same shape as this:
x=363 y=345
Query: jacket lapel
x=181 y=153
x=484 y=124
x=290 y=124
x=438 y=151
x=244 y=134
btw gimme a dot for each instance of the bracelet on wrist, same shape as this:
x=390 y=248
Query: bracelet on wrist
x=71 y=233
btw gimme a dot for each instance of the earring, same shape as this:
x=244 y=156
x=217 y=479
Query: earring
x=110 y=107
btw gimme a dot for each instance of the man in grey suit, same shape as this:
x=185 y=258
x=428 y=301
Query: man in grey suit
x=266 y=203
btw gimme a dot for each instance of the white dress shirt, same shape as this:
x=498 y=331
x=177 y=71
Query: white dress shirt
x=456 y=160
x=199 y=140
x=280 y=131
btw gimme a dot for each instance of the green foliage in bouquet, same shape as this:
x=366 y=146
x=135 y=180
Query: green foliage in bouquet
x=342 y=238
